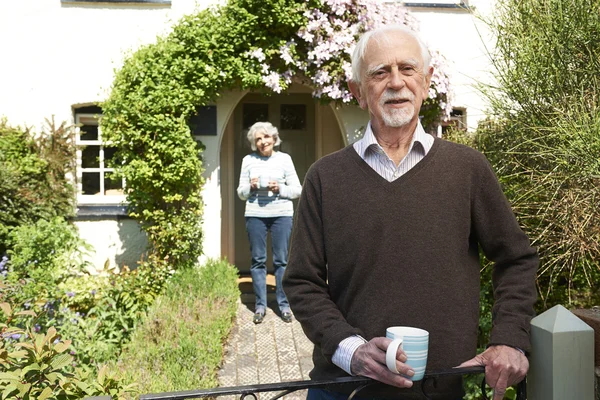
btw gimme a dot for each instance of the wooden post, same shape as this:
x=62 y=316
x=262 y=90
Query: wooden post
x=562 y=357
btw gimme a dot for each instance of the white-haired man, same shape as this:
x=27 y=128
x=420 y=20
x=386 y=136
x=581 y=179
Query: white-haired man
x=387 y=233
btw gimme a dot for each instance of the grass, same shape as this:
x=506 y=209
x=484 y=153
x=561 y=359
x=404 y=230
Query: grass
x=179 y=346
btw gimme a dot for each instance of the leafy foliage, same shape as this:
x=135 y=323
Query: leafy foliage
x=180 y=343
x=38 y=366
x=103 y=311
x=543 y=137
x=33 y=175
x=40 y=257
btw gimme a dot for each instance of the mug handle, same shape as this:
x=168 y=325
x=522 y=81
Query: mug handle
x=390 y=355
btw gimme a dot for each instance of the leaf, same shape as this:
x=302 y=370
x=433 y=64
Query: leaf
x=23 y=388
x=6 y=308
x=18 y=354
x=62 y=346
x=27 y=312
x=45 y=394
x=102 y=374
x=61 y=361
x=9 y=390
x=31 y=367
x=9 y=376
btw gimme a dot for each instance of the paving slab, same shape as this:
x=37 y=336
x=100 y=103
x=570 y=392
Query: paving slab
x=271 y=352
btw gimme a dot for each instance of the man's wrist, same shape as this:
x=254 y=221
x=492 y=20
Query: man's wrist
x=345 y=351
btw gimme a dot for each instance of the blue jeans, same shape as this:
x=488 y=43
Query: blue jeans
x=281 y=228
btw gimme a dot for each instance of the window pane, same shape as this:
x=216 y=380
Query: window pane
x=254 y=113
x=113 y=186
x=88 y=132
x=204 y=122
x=109 y=153
x=90 y=157
x=90 y=182
x=293 y=116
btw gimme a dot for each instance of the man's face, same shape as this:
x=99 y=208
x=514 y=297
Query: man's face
x=393 y=83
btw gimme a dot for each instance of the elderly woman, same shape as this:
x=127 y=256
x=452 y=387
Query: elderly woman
x=268 y=183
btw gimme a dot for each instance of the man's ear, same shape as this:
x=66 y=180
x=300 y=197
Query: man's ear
x=427 y=82
x=356 y=92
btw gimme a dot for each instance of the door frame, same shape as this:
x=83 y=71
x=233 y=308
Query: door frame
x=228 y=181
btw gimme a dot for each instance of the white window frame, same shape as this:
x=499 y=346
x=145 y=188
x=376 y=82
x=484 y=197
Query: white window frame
x=102 y=169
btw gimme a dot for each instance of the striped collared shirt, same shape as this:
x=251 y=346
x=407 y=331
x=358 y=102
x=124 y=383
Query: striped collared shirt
x=374 y=155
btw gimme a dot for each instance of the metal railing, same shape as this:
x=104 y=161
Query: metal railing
x=359 y=383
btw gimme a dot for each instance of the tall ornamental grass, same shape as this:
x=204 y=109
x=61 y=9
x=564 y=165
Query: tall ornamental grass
x=543 y=136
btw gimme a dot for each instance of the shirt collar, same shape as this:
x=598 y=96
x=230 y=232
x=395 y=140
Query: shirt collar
x=419 y=136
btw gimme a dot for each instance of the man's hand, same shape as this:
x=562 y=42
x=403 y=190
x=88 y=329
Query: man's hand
x=369 y=360
x=504 y=366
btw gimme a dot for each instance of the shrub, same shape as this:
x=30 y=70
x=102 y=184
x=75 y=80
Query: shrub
x=33 y=175
x=104 y=310
x=180 y=343
x=40 y=257
x=38 y=366
x=543 y=137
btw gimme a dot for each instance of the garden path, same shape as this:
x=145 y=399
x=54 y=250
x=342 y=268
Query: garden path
x=270 y=352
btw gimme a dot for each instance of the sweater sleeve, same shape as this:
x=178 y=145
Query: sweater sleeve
x=305 y=279
x=292 y=187
x=243 y=189
x=515 y=261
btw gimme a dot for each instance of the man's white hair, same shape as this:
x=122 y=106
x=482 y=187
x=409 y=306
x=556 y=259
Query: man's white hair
x=378 y=35
x=266 y=128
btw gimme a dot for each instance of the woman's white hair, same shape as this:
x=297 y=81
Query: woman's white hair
x=378 y=35
x=263 y=127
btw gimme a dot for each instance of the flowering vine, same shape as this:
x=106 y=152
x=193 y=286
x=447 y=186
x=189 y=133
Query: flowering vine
x=320 y=51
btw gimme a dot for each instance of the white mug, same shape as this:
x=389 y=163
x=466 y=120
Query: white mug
x=263 y=181
x=414 y=342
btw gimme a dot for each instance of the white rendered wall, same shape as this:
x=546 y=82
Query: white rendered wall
x=56 y=55
x=462 y=38
x=118 y=241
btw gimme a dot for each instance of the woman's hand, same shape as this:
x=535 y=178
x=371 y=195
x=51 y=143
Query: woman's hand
x=274 y=186
x=254 y=183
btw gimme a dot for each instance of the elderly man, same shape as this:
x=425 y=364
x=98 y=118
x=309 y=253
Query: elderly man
x=388 y=232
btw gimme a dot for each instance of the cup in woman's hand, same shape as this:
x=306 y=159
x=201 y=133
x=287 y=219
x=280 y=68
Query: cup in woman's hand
x=263 y=182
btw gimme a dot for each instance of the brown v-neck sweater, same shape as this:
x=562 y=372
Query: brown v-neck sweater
x=367 y=254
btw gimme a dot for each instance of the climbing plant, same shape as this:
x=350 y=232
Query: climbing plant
x=246 y=44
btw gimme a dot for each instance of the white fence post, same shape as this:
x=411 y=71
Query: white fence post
x=562 y=357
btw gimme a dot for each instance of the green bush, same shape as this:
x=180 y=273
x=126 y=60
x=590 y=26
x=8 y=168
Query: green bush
x=40 y=257
x=103 y=310
x=543 y=137
x=180 y=343
x=38 y=365
x=33 y=175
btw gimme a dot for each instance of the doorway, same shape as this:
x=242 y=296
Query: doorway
x=308 y=131
x=294 y=116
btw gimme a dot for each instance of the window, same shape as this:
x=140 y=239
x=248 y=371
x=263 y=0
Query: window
x=292 y=117
x=457 y=121
x=96 y=183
